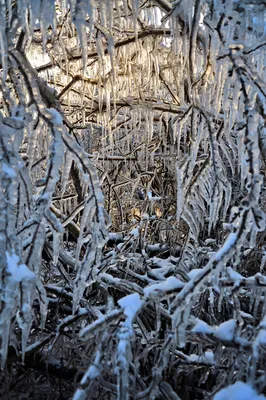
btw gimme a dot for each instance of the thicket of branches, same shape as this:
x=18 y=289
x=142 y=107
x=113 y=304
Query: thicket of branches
x=132 y=199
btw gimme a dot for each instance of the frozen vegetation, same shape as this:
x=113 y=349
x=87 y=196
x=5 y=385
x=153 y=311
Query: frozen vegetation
x=132 y=199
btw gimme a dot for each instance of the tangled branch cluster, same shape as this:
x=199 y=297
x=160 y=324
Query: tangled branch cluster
x=132 y=199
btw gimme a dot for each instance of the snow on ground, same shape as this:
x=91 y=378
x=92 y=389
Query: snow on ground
x=238 y=391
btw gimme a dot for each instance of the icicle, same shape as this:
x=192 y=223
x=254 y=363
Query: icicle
x=79 y=19
x=47 y=18
x=56 y=246
x=35 y=9
x=68 y=160
x=3 y=40
x=215 y=205
x=180 y=184
x=32 y=141
x=179 y=324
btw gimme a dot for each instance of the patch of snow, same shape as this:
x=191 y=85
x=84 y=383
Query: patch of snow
x=202 y=327
x=168 y=285
x=234 y=275
x=131 y=305
x=209 y=356
x=228 y=244
x=135 y=232
x=209 y=359
x=18 y=271
x=193 y=273
x=226 y=330
x=246 y=315
x=163 y=264
x=238 y=391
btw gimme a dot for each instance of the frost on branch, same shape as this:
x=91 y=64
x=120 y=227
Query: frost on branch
x=17 y=281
